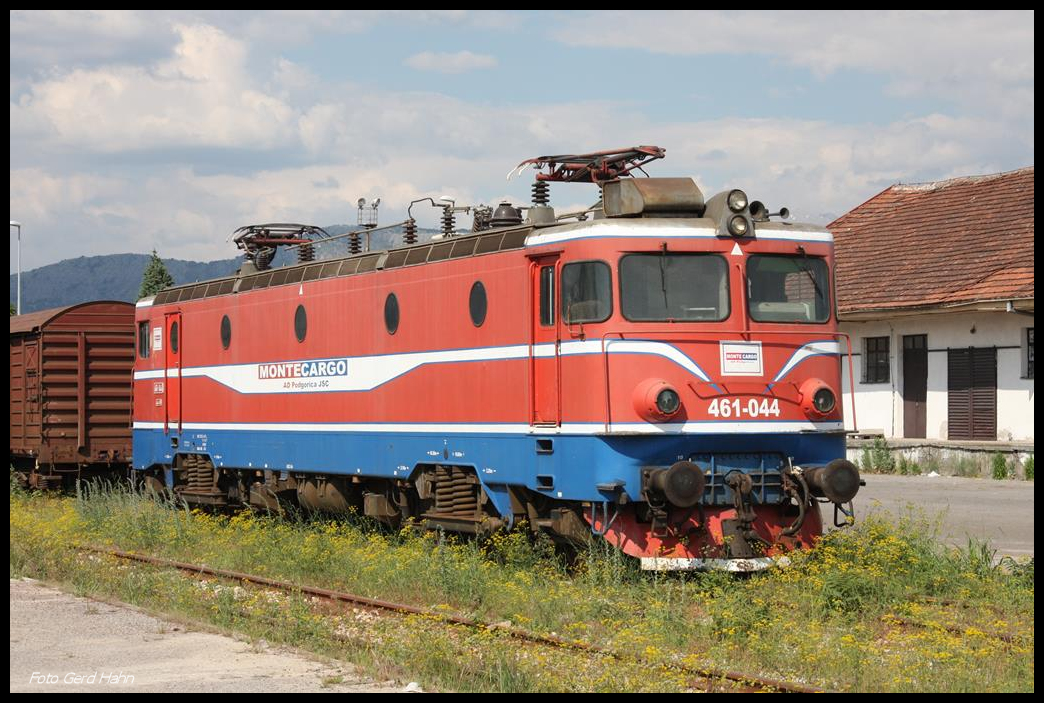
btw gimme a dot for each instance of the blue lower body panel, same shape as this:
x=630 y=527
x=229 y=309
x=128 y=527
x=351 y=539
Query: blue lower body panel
x=561 y=466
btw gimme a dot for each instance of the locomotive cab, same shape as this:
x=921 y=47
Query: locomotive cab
x=720 y=372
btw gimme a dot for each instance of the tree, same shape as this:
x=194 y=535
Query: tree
x=155 y=279
x=12 y=309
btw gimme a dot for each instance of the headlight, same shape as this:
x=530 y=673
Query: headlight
x=824 y=400
x=817 y=398
x=737 y=200
x=667 y=401
x=655 y=400
x=738 y=226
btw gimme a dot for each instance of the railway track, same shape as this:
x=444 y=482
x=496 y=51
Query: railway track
x=903 y=621
x=711 y=678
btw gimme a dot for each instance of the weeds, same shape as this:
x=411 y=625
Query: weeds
x=877 y=458
x=966 y=467
x=908 y=468
x=999 y=467
x=831 y=618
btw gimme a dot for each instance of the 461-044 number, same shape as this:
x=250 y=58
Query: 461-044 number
x=736 y=407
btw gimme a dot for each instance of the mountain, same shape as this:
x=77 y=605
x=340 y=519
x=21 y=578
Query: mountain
x=118 y=276
x=111 y=277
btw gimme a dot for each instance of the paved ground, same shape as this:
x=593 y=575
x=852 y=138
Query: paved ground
x=58 y=635
x=1000 y=511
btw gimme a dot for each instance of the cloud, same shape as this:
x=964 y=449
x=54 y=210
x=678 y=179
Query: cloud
x=293 y=82
x=813 y=167
x=201 y=96
x=968 y=57
x=44 y=39
x=459 y=62
x=816 y=167
x=116 y=152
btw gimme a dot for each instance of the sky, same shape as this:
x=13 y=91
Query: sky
x=139 y=130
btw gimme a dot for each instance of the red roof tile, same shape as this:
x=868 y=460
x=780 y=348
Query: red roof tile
x=945 y=243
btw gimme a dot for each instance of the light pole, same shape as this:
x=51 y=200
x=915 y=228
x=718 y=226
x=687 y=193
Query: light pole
x=18 y=226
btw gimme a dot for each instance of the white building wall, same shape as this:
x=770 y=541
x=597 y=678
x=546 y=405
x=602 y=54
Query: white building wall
x=880 y=406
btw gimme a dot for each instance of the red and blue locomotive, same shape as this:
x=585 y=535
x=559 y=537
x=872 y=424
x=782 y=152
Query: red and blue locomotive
x=661 y=370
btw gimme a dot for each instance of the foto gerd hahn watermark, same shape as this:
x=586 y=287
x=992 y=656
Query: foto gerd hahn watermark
x=108 y=678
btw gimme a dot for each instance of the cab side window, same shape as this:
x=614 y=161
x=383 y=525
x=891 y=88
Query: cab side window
x=547 y=296
x=587 y=292
x=143 y=340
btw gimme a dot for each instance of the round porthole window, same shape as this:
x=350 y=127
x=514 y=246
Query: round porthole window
x=477 y=303
x=391 y=313
x=300 y=323
x=226 y=332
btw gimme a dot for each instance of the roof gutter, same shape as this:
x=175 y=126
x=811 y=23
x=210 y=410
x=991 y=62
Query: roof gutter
x=1010 y=307
x=995 y=305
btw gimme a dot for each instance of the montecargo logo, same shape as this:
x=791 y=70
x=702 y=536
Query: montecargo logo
x=303 y=369
x=740 y=358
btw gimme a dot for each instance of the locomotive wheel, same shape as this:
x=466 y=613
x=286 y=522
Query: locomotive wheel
x=153 y=485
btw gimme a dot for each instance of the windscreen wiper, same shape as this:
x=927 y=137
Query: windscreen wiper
x=808 y=269
x=663 y=280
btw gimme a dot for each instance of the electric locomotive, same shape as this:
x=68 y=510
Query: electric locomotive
x=661 y=370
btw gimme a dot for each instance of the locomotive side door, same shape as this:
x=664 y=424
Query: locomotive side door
x=172 y=333
x=545 y=404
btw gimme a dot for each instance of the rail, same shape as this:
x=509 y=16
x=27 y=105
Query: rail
x=710 y=674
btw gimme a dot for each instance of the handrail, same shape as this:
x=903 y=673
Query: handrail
x=718 y=334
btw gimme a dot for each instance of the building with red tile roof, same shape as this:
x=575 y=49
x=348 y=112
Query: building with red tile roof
x=935 y=288
x=965 y=243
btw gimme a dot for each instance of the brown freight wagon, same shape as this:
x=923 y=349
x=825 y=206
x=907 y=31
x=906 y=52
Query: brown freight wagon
x=71 y=382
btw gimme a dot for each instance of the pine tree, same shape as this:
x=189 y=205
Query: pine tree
x=155 y=279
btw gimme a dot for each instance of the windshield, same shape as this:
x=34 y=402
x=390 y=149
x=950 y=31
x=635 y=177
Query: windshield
x=667 y=287
x=784 y=288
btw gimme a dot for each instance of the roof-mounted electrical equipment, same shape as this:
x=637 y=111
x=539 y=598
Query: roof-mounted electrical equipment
x=259 y=242
x=598 y=167
x=652 y=197
x=594 y=167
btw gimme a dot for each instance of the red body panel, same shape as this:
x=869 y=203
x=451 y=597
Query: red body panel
x=687 y=537
x=345 y=319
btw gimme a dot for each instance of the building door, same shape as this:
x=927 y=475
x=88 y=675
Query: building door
x=972 y=396
x=544 y=342
x=915 y=385
x=172 y=372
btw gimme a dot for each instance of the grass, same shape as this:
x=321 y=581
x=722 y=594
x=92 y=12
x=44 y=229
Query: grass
x=965 y=467
x=839 y=617
x=877 y=458
x=907 y=467
x=999 y=467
